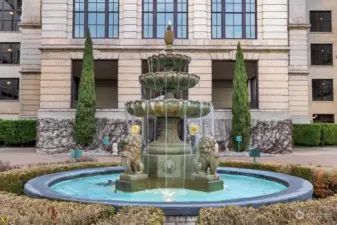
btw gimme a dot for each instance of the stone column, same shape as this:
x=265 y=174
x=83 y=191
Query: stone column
x=298 y=61
x=30 y=59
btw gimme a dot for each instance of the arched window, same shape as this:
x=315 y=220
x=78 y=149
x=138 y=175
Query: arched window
x=101 y=16
x=157 y=14
x=234 y=19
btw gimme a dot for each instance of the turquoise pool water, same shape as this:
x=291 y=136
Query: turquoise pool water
x=235 y=187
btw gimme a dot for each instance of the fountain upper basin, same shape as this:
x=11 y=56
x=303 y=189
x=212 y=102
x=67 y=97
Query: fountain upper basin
x=175 y=108
x=169 y=80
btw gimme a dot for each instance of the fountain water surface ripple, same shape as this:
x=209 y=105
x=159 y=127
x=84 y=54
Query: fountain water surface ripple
x=236 y=187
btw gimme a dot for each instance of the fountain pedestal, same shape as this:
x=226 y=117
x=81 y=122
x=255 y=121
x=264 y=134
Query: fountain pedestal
x=170 y=166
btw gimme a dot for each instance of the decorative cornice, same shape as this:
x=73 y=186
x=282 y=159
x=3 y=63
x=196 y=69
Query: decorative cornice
x=209 y=48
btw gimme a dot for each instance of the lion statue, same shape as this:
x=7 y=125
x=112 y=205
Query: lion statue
x=131 y=148
x=209 y=156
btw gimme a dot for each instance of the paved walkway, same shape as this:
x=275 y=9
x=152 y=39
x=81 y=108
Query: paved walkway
x=324 y=156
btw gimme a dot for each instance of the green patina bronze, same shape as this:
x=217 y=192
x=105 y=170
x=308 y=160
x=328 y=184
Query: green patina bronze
x=168 y=162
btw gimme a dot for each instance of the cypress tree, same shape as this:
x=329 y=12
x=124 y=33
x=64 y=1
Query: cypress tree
x=85 y=122
x=241 y=122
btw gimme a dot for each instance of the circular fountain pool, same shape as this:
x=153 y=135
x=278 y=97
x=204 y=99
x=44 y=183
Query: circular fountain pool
x=236 y=187
x=242 y=187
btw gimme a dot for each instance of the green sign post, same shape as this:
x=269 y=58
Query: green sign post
x=238 y=140
x=255 y=153
x=76 y=154
x=106 y=141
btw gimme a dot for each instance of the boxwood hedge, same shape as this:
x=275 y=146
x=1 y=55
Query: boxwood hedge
x=18 y=132
x=306 y=134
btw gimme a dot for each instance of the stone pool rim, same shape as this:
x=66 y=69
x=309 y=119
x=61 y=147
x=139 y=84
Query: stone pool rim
x=297 y=189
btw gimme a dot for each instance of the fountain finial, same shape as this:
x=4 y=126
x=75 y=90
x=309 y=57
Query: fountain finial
x=169 y=37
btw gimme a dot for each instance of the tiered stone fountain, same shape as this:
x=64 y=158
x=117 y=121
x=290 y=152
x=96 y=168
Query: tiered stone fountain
x=169 y=162
x=166 y=173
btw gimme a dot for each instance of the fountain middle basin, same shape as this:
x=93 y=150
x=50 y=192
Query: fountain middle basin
x=242 y=187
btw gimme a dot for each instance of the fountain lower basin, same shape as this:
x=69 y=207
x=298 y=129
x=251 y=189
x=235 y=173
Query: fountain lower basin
x=242 y=187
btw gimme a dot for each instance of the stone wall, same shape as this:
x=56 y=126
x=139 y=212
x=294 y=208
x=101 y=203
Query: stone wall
x=271 y=136
x=57 y=135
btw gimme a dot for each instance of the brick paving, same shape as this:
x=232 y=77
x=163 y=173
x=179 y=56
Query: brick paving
x=324 y=156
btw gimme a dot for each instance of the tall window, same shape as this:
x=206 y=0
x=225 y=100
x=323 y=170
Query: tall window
x=10 y=15
x=157 y=14
x=234 y=19
x=320 y=21
x=322 y=90
x=9 y=89
x=321 y=54
x=101 y=16
x=9 y=53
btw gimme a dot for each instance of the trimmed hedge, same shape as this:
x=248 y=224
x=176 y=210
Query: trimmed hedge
x=306 y=134
x=136 y=215
x=317 y=212
x=21 y=210
x=14 y=180
x=18 y=132
x=329 y=134
x=324 y=179
x=314 y=134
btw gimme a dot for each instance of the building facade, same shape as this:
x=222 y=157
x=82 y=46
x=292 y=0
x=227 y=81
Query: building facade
x=274 y=35
x=322 y=82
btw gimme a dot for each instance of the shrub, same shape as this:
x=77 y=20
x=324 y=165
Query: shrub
x=241 y=122
x=18 y=132
x=85 y=122
x=21 y=210
x=14 y=180
x=136 y=216
x=306 y=134
x=5 y=165
x=316 y=212
x=324 y=185
x=329 y=134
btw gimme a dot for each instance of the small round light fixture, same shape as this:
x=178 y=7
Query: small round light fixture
x=9 y=83
x=11 y=13
x=321 y=18
x=9 y=49
x=193 y=129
